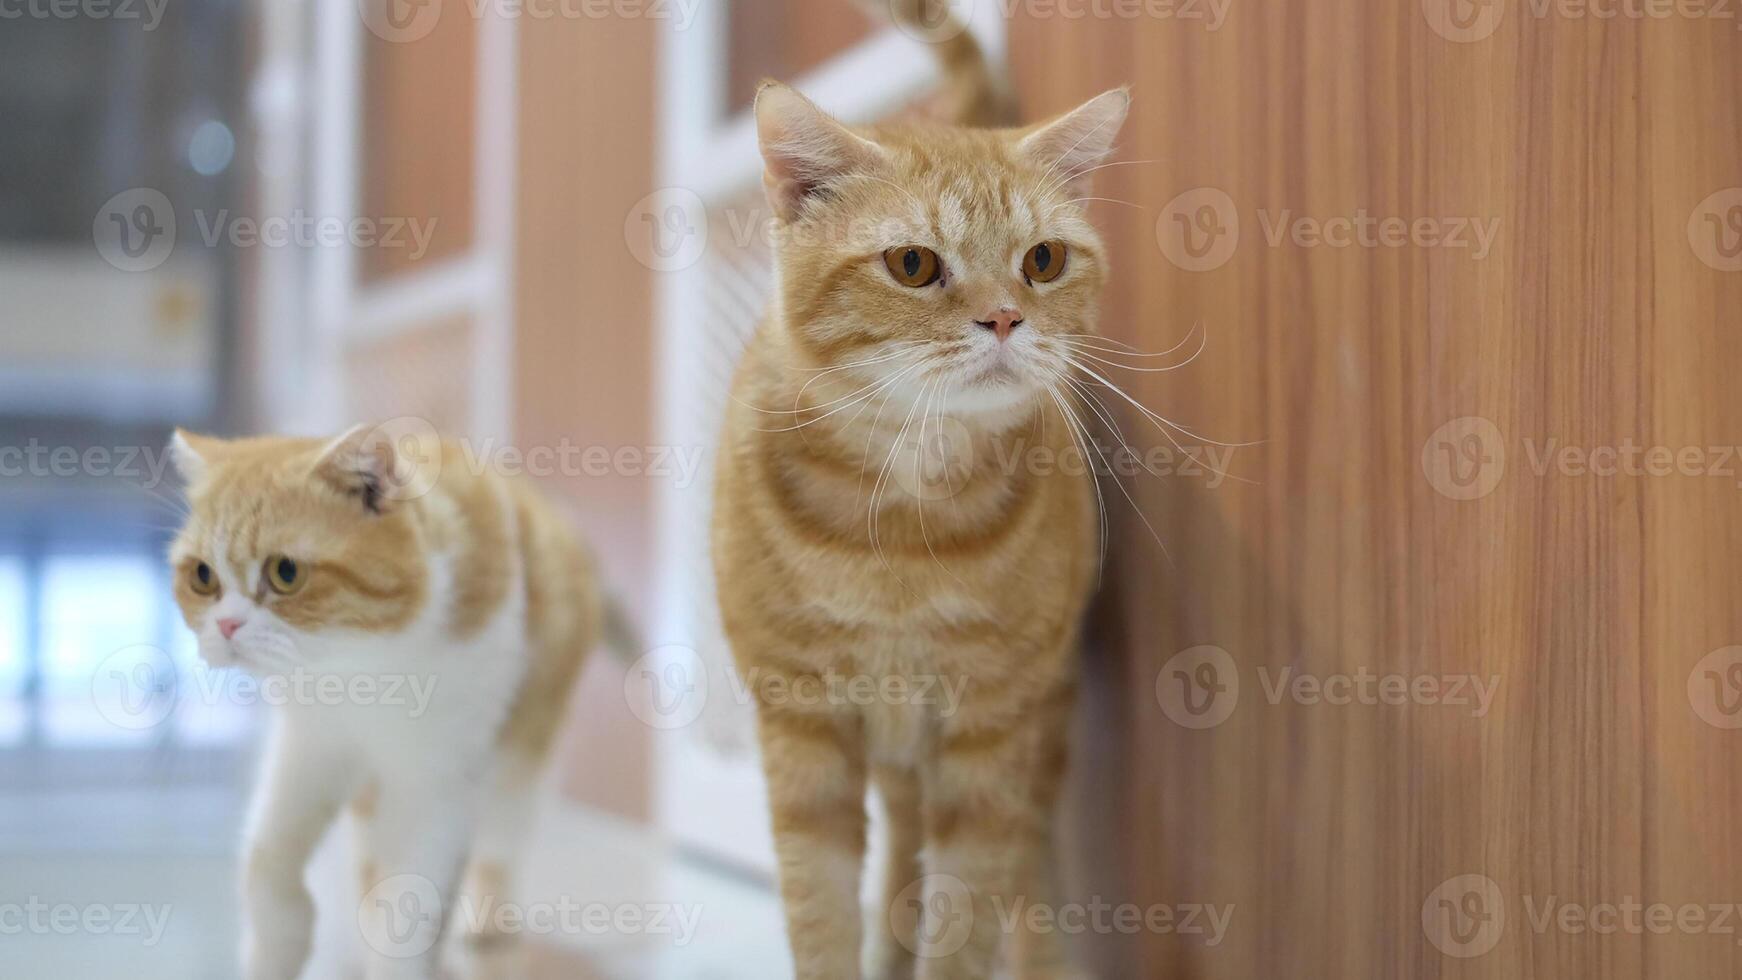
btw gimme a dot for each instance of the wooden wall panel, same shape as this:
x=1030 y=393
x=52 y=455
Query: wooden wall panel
x=585 y=335
x=417 y=134
x=1592 y=322
x=784 y=39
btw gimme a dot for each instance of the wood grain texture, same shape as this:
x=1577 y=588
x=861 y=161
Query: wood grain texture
x=1592 y=322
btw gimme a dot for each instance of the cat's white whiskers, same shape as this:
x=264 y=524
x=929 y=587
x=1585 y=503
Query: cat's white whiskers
x=1116 y=482
x=894 y=355
x=919 y=476
x=873 y=518
x=879 y=386
x=1162 y=423
x=1084 y=342
x=1083 y=350
x=1106 y=416
x=1078 y=200
x=1067 y=178
x=801 y=411
x=1073 y=427
x=1128 y=350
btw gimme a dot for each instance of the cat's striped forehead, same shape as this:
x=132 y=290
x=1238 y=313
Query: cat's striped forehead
x=965 y=190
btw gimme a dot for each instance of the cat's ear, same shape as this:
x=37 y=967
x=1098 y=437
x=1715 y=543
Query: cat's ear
x=361 y=463
x=1067 y=147
x=803 y=148
x=192 y=454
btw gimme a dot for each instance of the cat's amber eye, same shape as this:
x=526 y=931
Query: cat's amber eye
x=284 y=575
x=913 y=265
x=1044 y=262
x=202 y=580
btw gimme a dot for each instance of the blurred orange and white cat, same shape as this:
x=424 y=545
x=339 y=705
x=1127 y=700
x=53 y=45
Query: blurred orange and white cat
x=931 y=284
x=331 y=559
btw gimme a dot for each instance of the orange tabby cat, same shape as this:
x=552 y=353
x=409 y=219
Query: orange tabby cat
x=877 y=519
x=349 y=558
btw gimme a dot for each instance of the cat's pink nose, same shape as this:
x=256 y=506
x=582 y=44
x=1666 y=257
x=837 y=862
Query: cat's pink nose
x=1002 y=320
x=228 y=627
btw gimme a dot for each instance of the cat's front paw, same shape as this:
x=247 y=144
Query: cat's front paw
x=281 y=927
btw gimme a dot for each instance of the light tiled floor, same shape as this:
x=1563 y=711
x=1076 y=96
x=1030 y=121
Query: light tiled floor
x=170 y=851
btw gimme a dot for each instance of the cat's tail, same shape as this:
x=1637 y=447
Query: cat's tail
x=974 y=94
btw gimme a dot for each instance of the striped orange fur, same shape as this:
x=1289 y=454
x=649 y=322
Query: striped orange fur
x=879 y=515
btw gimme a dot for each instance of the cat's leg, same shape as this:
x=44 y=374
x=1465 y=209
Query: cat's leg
x=363 y=807
x=505 y=819
x=981 y=821
x=894 y=921
x=815 y=762
x=420 y=838
x=302 y=786
x=1045 y=954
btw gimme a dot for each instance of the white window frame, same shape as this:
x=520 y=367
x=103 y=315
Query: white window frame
x=305 y=341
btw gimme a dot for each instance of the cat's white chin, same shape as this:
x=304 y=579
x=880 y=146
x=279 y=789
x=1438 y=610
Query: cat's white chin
x=991 y=399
